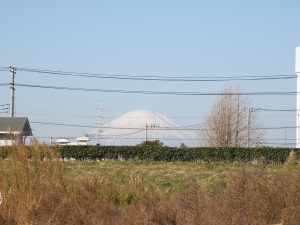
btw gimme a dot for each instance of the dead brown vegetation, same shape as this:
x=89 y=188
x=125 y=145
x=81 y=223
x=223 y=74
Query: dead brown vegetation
x=36 y=191
x=230 y=122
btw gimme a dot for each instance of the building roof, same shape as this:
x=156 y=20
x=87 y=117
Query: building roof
x=15 y=125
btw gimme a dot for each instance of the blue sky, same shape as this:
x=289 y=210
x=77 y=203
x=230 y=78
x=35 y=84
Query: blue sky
x=147 y=38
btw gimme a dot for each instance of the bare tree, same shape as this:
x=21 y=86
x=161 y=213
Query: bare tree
x=231 y=121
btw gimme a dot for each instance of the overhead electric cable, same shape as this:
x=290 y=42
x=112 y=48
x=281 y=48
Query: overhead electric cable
x=156 y=78
x=154 y=92
x=113 y=136
x=158 y=128
x=115 y=117
x=279 y=110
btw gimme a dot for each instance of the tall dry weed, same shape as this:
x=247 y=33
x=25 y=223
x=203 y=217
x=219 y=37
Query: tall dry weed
x=35 y=191
x=25 y=177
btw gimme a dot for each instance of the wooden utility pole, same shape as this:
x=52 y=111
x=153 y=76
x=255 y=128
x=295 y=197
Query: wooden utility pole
x=12 y=92
x=249 y=112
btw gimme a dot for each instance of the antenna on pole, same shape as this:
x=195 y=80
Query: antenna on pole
x=12 y=91
x=100 y=124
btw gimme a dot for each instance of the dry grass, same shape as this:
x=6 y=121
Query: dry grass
x=44 y=190
x=165 y=176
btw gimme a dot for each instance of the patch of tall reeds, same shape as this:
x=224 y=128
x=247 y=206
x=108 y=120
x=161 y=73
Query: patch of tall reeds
x=27 y=175
x=35 y=190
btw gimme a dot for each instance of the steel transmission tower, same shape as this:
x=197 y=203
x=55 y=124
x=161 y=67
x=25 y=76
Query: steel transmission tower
x=100 y=124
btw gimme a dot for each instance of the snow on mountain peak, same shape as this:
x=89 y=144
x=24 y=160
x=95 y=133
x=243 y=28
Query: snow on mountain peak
x=130 y=129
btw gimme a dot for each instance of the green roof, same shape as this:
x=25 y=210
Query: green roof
x=15 y=124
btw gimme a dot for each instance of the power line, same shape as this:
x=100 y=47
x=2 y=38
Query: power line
x=156 y=92
x=170 y=117
x=63 y=124
x=156 y=78
x=115 y=117
x=154 y=128
x=166 y=138
x=118 y=135
x=279 y=110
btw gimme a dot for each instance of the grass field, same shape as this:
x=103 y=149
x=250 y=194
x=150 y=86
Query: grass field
x=164 y=176
x=49 y=191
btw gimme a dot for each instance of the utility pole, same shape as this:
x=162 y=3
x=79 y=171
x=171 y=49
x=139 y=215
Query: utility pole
x=248 y=115
x=149 y=126
x=297 y=70
x=237 y=143
x=285 y=137
x=12 y=91
x=250 y=110
x=146 y=128
x=100 y=124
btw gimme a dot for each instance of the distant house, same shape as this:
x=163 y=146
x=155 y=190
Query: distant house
x=79 y=141
x=15 y=128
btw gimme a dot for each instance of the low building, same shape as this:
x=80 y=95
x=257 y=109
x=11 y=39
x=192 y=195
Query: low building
x=14 y=129
x=63 y=141
x=79 y=141
x=82 y=140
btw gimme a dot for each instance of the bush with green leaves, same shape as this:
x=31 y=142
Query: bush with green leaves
x=168 y=154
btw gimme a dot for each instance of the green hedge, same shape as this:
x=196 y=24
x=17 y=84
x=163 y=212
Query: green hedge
x=204 y=154
x=168 y=154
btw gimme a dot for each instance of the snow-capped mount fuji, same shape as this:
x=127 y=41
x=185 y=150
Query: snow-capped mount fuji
x=133 y=128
